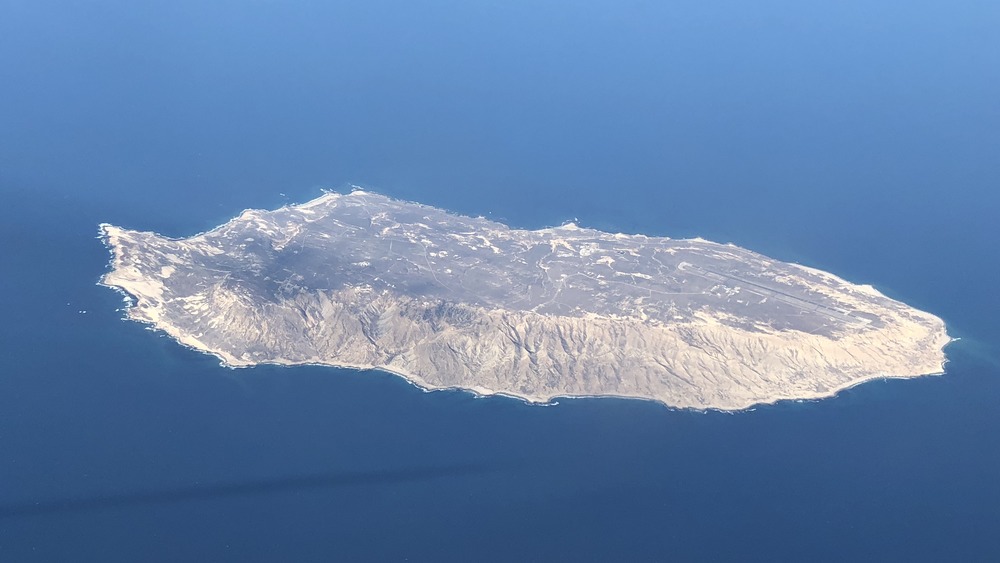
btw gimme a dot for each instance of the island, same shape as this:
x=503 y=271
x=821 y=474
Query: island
x=361 y=280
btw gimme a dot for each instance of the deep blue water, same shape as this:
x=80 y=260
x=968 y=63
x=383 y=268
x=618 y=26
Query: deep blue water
x=860 y=138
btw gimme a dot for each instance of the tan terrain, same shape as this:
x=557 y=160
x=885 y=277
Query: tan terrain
x=447 y=301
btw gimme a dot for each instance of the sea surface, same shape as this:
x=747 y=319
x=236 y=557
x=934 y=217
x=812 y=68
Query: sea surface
x=858 y=138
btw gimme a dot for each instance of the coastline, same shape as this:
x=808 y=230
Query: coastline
x=229 y=362
x=541 y=401
x=139 y=309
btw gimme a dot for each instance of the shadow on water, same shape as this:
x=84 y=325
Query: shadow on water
x=246 y=488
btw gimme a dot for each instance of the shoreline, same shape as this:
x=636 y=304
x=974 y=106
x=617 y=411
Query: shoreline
x=480 y=393
x=151 y=316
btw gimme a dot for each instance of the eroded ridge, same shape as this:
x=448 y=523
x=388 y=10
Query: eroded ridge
x=447 y=301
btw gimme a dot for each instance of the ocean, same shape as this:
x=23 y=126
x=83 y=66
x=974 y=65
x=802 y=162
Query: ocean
x=858 y=139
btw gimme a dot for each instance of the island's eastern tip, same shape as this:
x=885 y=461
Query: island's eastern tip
x=362 y=280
